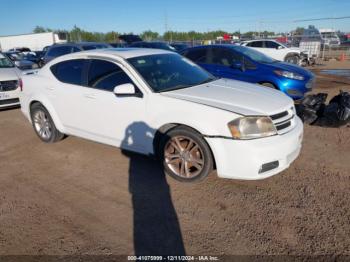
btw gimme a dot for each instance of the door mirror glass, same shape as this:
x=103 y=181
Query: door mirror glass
x=124 y=90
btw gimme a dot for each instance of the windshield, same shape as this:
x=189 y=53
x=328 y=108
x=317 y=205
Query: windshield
x=5 y=62
x=254 y=55
x=168 y=72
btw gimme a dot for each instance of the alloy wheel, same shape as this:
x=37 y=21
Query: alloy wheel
x=184 y=157
x=42 y=124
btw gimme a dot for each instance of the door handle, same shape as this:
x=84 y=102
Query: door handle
x=49 y=88
x=90 y=96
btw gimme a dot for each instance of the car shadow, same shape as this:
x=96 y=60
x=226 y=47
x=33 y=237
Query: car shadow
x=155 y=222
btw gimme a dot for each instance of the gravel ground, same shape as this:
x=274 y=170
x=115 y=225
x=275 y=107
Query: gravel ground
x=79 y=197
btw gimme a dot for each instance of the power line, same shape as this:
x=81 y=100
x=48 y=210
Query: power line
x=321 y=19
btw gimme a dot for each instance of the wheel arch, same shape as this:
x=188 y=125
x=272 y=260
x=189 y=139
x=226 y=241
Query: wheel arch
x=51 y=111
x=269 y=82
x=291 y=54
x=167 y=127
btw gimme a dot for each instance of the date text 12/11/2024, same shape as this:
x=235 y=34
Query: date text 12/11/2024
x=173 y=258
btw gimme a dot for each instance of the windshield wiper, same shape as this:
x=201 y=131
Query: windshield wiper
x=186 y=86
x=174 y=88
x=209 y=80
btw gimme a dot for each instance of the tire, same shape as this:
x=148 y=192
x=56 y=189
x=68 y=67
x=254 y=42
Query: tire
x=43 y=124
x=268 y=85
x=185 y=155
x=292 y=59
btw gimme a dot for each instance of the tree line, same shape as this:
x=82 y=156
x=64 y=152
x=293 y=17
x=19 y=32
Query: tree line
x=77 y=34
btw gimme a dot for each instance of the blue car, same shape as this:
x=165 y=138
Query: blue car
x=248 y=65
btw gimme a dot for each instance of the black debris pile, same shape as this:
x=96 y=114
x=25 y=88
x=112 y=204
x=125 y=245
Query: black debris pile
x=314 y=111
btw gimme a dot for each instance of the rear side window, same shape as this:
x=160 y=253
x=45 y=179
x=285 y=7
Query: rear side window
x=70 y=72
x=271 y=44
x=255 y=44
x=197 y=55
x=225 y=57
x=59 y=51
x=106 y=75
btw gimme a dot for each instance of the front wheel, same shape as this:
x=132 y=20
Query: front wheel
x=292 y=59
x=186 y=155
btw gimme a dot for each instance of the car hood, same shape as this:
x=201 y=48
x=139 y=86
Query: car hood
x=8 y=74
x=290 y=67
x=235 y=96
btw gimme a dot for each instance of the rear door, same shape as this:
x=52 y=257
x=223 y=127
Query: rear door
x=199 y=56
x=220 y=61
x=66 y=93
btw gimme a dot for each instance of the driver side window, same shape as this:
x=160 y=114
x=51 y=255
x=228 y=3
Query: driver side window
x=271 y=44
x=105 y=75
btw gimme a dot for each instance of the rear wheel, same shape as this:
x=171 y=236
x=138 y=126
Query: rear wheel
x=186 y=156
x=43 y=124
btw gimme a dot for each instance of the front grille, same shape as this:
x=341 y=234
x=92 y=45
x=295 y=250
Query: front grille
x=8 y=85
x=284 y=121
x=9 y=101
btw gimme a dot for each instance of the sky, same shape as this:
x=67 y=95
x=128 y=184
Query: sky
x=125 y=16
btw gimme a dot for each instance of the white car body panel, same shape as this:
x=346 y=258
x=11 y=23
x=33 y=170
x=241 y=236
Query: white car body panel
x=132 y=122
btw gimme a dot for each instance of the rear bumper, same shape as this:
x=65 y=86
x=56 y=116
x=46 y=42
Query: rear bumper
x=256 y=159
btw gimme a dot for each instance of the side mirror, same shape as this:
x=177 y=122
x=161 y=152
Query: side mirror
x=126 y=90
x=279 y=47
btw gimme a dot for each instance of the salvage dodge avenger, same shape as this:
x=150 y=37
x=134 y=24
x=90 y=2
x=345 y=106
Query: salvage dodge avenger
x=158 y=103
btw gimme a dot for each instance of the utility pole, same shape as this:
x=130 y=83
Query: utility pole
x=166 y=21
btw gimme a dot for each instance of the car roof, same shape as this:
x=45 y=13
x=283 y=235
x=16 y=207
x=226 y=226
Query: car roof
x=124 y=53
x=209 y=46
x=77 y=44
x=255 y=40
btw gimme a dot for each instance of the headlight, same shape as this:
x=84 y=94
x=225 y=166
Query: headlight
x=290 y=75
x=252 y=127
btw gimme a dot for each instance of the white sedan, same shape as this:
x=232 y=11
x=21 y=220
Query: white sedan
x=156 y=102
x=9 y=83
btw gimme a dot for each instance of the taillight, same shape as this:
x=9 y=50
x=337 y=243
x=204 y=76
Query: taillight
x=20 y=84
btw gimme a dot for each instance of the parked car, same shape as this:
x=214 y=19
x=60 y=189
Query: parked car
x=156 y=45
x=248 y=65
x=22 y=60
x=130 y=38
x=277 y=50
x=179 y=46
x=118 y=45
x=158 y=102
x=64 y=49
x=20 y=49
x=9 y=83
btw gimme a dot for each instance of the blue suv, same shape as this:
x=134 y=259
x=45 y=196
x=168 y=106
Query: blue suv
x=248 y=65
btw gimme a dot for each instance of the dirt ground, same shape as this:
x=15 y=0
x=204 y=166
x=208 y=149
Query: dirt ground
x=80 y=197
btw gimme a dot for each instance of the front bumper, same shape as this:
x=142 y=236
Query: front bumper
x=245 y=159
x=296 y=89
x=9 y=98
